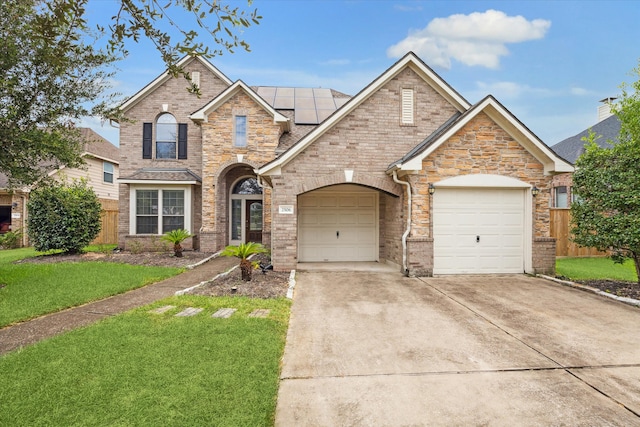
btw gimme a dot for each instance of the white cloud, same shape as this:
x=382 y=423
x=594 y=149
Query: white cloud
x=580 y=91
x=510 y=90
x=336 y=62
x=407 y=8
x=477 y=39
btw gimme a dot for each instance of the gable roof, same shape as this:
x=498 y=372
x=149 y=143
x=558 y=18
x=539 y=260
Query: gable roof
x=98 y=147
x=572 y=147
x=504 y=118
x=167 y=76
x=202 y=114
x=409 y=60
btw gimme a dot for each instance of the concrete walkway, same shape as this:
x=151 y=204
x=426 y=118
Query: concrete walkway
x=379 y=349
x=32 y=331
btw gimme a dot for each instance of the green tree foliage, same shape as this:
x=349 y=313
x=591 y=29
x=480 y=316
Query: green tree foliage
x=52 y=73
x=48 y=75
x=63 y=216
x=219 y=21
x=607 y=184
x=244 y=251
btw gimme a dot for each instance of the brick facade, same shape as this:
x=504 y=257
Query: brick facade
x=364 y=139
x=173 y=95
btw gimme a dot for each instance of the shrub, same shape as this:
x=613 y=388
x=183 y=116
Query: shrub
x=244 y=251
x=10 y=239
x=63 y=216
x=176 y=237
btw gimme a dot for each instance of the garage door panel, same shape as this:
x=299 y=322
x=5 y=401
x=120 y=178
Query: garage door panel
x=340 y=227
x=495 y=215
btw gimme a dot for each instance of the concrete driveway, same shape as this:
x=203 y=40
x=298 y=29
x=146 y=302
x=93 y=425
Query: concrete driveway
x=378 y=349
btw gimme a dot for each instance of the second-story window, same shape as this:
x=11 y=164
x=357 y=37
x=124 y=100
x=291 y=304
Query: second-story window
x=107 y=172
x=240 y=131
x=166 y=136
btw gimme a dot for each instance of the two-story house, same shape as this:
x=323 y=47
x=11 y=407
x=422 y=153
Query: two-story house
x=406 y=172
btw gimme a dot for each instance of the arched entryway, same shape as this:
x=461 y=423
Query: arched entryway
x=245 y=211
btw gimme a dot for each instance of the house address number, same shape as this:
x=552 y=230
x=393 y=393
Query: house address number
x=285 y=209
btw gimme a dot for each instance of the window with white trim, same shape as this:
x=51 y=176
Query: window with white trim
x=166 y=136
x=407 y=107
x=560 y=197
x=240 y=131
x=107 y=172
x=158 y=211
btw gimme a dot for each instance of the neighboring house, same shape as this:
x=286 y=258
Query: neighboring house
x=607 y=131
x=101 y=171
x=406 y=172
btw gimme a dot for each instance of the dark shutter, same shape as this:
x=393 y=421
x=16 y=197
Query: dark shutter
x=147 y=140
x=182 y=141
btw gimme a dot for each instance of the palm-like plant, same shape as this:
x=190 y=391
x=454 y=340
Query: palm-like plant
x=244 y=251
x=176 y=237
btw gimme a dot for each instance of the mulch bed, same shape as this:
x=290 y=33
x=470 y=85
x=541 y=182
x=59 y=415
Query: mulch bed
x=621 y=289
x=160 y=259
x=267 y=284
x=272 y=284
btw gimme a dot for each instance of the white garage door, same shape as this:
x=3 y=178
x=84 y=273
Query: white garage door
x=478 y=231
x=337 y=226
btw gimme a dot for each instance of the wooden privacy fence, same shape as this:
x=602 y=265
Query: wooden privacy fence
x=560 y=229
x=109 y=231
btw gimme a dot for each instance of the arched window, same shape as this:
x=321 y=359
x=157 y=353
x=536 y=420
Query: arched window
x=166 y=136
x=247 y=186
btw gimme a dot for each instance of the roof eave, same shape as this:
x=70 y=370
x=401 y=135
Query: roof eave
x=165 y=76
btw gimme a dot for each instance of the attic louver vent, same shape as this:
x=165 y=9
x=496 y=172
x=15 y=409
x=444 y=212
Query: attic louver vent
x=195 y=78
x=407 y=106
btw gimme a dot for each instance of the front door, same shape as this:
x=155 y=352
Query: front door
x=253 y=221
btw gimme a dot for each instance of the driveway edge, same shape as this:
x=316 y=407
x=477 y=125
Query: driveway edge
x=629 y=301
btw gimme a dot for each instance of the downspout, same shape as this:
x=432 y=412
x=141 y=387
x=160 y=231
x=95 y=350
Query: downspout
x=408 y=230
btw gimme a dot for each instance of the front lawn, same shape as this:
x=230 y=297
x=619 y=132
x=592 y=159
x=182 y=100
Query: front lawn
x=596 y=268
x=141 y=368
x=29 y=290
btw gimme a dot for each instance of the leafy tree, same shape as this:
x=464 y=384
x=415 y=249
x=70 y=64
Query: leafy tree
x=176 y=237
x=47 y=77
x=607 y=183
x=244 y=251
x=63 y=216
x=52 y=73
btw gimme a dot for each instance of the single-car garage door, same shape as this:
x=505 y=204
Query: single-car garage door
x=478 y=231
x=338 y=225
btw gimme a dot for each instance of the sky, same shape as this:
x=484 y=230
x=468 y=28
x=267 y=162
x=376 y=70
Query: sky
x=548 y=62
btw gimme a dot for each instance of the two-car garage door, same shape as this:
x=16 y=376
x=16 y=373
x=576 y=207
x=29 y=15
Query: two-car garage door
x=338 y=224
x=478 y=230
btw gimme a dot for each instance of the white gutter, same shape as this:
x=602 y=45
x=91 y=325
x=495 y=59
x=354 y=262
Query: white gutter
x=408 y=230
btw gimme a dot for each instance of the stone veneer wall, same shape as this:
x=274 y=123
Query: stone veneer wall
x=221 y=167
x=483 y=147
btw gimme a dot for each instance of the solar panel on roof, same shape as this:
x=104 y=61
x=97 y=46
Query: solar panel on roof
x=310 y=105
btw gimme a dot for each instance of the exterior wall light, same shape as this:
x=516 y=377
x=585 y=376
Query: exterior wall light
x=432 y=189
x=535 y=191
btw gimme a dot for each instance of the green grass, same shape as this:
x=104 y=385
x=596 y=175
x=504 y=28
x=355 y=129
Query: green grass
x=596 y=268
x=144 y=369
x=31 y=290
